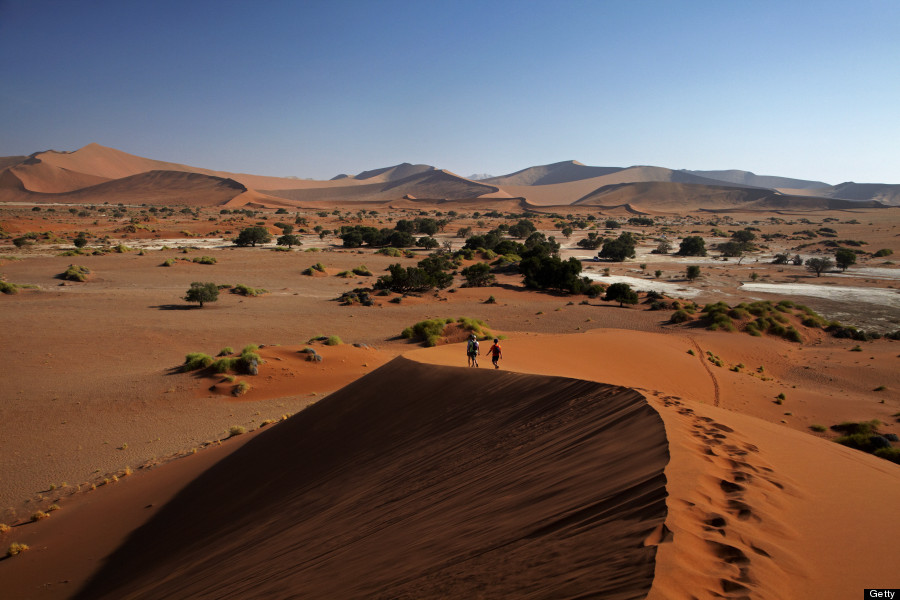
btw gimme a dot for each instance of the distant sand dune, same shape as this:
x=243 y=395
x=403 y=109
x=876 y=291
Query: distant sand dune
x=419 y=481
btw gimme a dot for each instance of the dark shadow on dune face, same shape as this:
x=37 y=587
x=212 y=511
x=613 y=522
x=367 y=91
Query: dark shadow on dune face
x=419 y=481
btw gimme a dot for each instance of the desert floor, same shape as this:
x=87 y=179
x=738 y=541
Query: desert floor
x=95 y=409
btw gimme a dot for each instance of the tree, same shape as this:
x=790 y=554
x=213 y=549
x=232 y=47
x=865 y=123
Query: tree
x=290 y=240
x=817 y=265
x=844 y=257
x=202 y=292
x=252 y=236
x=692 y=245
x=427 y=242
x=478 y=275
x=664 y=247
x=621 y=293
x=620 y=248
x=692 y=272
x=567 y=232
x=522 y=229
x=780 y=259
x=591 y=242
x=80 y=241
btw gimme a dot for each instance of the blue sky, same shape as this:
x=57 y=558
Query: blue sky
x=312 y=89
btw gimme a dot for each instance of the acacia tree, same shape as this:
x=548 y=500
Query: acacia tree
x=290 y=240
x=252 y=236
x=692 y=272
x=478 y=275
x=817 y=265
x=692 y=245
x=844 y=257
x=622 y=293
x=202 y=292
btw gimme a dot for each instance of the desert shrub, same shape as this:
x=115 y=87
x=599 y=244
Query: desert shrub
x=121 y=249
x=246 y=290
x=333 y=340
x=883 y=252
x=204 y=260
x=226 y=351
x=476 y=326
x=196 y=360
x=345 y=274
x=223 y=365
x=889 y=453
x=168 y=262
x=236 y=429
x=38 y=516
x=818 y=428
x=793 y=335
x=362 y=271
x=75 y=273
x=621 y=293
x=428 y=331
x=8 y=288
x=478 y=275
x=679 y=316
x=16 y=548
x=390 y=251
x=491 y=300
x=738 y=313
x=857 y=427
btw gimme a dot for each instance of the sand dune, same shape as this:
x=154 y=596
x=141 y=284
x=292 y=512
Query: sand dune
x=454 y=483
x=752 y=179
x=431 y=184
x=676 y=197
x=160 y=188
x=561 y=172
x=401 y=171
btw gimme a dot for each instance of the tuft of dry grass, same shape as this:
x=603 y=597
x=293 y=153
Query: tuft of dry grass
x=16 y=548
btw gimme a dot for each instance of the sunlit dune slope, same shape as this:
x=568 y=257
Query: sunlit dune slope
x=419 y=481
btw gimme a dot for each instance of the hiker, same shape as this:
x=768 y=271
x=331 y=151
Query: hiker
x=472 y=351
x=495 y=352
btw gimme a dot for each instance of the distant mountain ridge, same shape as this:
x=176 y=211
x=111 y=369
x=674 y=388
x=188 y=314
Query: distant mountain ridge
x=98 y=173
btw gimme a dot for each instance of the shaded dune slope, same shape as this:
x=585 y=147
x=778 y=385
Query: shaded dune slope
x=160 y=188
x=419 y=481
x=674 y=197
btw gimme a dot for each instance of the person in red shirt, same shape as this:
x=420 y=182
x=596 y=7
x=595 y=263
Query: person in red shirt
x=495 y=352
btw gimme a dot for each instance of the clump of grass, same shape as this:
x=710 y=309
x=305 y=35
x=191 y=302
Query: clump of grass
x=491 y=300
x=168 y=262
x=241 y=388
x=780 y=398
x=236 y=430
x=75 y=273
x=429 y=331
x=345 y=274
x=333 y=340
x=476 y=326
x=818 y=428
x=246 y=290
x=4 y=528
x=204 y=260
x=226 y=351
x=121 y=249
x=390 y=251
x=15 y=549
x=362 y=270
x=225 y=364
x=8 y=288
x=38 y=516
x=316 y=267
x=680 y=316
x=880 y=388
x=196 y=360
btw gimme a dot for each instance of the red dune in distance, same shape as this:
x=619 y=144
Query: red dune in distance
x=419 y=481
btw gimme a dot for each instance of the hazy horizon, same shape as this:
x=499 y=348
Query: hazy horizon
x=315 y=89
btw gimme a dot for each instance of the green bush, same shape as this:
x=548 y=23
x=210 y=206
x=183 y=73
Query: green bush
x=8 y=288
x=333 y=340
x=362 y=271
x=168 y=262
x=204 y=260
x=196 y=360
x=246 y=290
x=75 y=273
x=679 y=316
x=818 y=428
x=226 y=351
x=429 y=331
x=223 y=365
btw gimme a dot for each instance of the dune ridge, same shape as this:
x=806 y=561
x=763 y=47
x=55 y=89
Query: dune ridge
x=419 y=481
